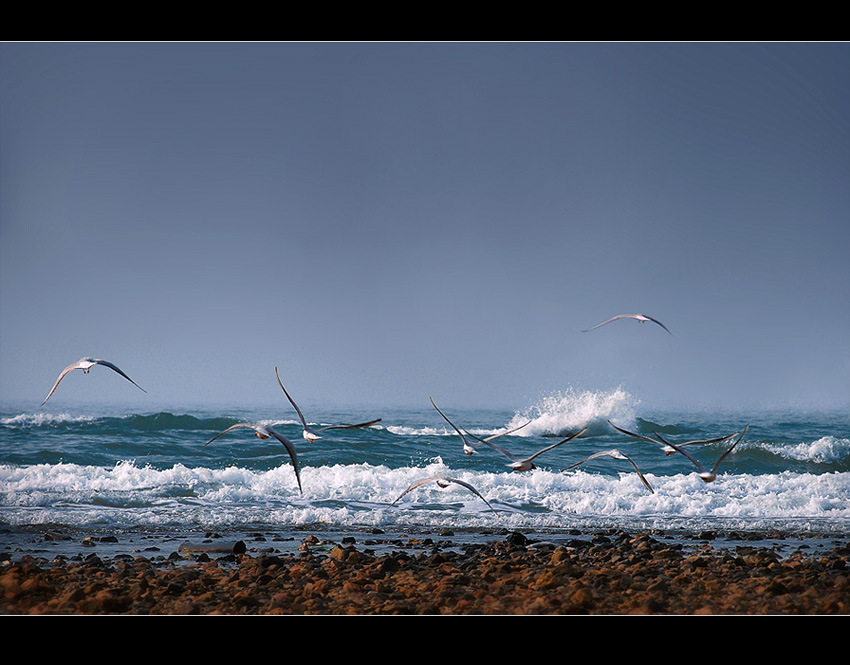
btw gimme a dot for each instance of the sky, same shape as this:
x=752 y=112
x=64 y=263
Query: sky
x=389 y=221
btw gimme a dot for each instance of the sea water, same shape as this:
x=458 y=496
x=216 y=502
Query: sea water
x=109 y=469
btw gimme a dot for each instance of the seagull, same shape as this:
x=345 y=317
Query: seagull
x=616 y=454
x=668 y=449
x=708 y=476
x=526 y=464
x=468 y=446
x=311 y=433
x=643 y=318
x=444 y=481
x=265 y=432
x=86 y=364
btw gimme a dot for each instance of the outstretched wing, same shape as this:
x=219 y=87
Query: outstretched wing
x=658 y=322
x=616 y=454
x=494 y=446
x=613 y=318
x=692 y=443
x=555 y=445
x=108 y=364
x=637 y=436
x=230 y=429
x=290 y=448
x=471 y=489
x=371 y=422
x=456 y=429
x=291 y=401
x=505 y=433
x=723 y=456
x=445 y=479
x=62 y=375
x=418 y=483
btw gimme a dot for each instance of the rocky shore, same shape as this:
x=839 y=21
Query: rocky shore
x=513 y=575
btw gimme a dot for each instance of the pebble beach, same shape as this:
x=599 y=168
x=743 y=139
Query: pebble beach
x=613 y=573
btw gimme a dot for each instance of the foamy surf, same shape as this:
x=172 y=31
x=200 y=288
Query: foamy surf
x=154 y=469
x=354 y=495
x=564 y=412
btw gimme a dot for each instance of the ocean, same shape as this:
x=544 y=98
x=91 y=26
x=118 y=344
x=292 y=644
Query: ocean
x=81 y=470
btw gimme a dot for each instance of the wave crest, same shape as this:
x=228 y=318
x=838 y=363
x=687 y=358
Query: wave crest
x=564 y=412
x=827 y=449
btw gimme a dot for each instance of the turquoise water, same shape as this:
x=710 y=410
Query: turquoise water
x=110 y=469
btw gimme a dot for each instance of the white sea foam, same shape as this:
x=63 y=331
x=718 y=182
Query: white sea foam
x=402 y=430
x=363 y=494
x=824 y=450
x=41 y=419
x=564 y=412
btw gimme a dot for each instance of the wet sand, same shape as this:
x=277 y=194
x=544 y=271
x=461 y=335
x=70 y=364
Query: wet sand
x=510 y=574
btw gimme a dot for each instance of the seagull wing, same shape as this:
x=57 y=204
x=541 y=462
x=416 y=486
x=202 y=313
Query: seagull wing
x=693 y=459
x=460 y=434
x=230 y=429
x=371 y=422
x=638 y=471
x=613 y=318
x=658 y=322
x=506 y=453
x=555 y=445
x=616 y=454
x=291 y=401
x=587 y=459
x=432 y=479
x=108 y=364
x=715 y=440
x=695 y=442
x=471 y=489
x=62 y=375
x=510 y=431
x=723 y=456
x=290 y=448
x=637 y=436
x=418 y=483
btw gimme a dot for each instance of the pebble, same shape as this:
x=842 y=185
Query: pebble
x=615 y=574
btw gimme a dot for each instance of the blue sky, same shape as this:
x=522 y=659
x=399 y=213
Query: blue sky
x=388 y=221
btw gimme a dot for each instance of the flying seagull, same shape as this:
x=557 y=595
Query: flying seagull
x=444 y=481
x=668 y=449
x=86 y=364
x=708 y=476
x=312 y=433
x=526 y=464
x=616 y=454
x=264 y=432
x=469 y=447
x=643 y=318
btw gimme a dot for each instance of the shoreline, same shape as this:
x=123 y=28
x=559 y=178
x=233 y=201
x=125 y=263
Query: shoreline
x=371 y=572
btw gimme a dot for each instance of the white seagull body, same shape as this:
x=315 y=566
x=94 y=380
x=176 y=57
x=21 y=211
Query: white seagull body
x=615 y=454
x=264 y=432
x=526 y=464
x=469 y=447
x=643 y=318
x=706 y=475
x=86 y=364
x=668 y=448
x=313 y=433
x=444 y=481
